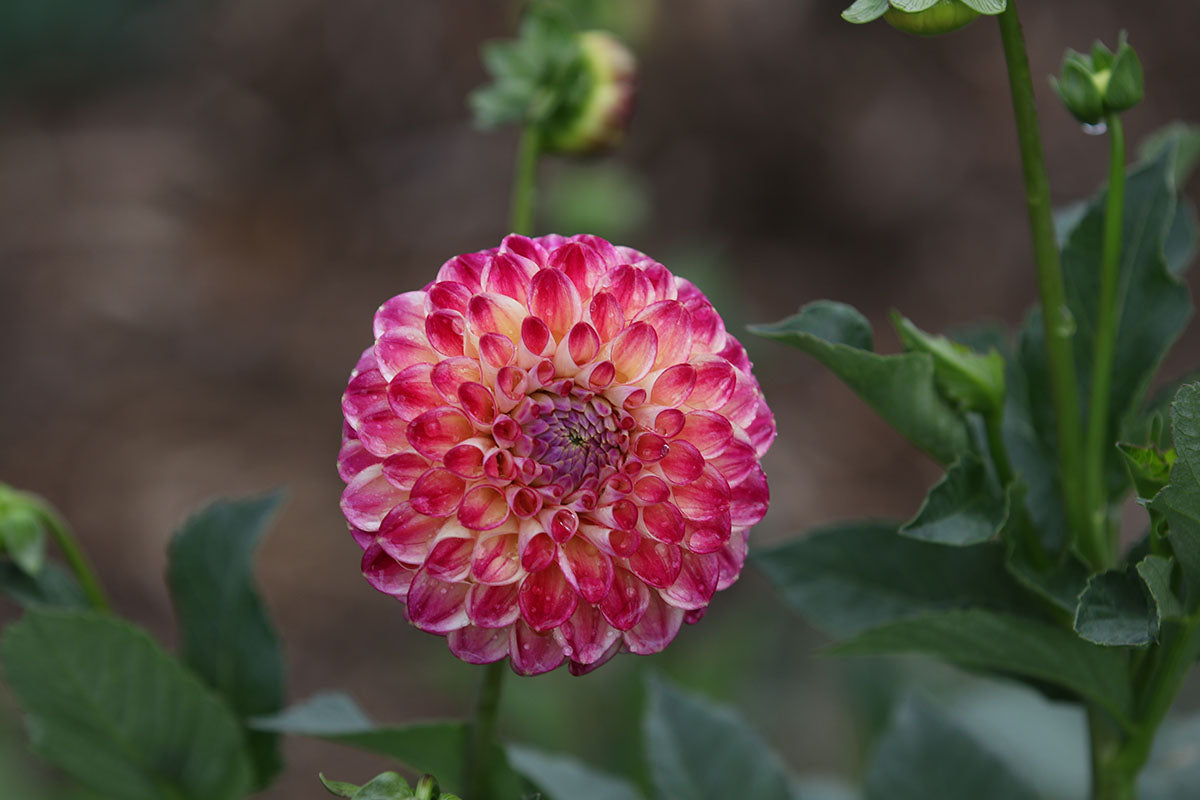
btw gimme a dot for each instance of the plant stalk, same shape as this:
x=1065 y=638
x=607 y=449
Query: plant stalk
x=1099 y=547
x=524 y=193
x=60 y=532
x=1056 y=316
x=481 y=736
x=1110 y=779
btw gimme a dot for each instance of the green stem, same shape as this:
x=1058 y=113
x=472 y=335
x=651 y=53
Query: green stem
x=1056 y=316
x=481 y=736
x=1110 y=780
x=525 y=182
x=60 y=532
x=1098 y=547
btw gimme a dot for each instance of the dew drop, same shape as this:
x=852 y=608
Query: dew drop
x=1099 y=129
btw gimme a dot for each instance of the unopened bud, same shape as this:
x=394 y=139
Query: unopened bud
x=1092 y=86
x=600 y=119
x=923 y=17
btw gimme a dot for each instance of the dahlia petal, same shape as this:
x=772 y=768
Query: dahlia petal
x=586 y=636
x=735 y=354
x=598 y=375
x=500 y=466
x=663 y=522
x=493 y=606
x=560 y=523
x=496 y=560
x=477 y=401
x=437 y=430
x=623 y=543
x=682 y=463
x=411 y=393
x=403 y=310
x=465 y=460
x=657 y=627
x=750 y=498
x=403 y=469
x=484 y=508
x=673 y=385
x=554 y=299
x=364 y=397
x=732 y=556
x=476 y=645
x=704 y=498
x=368 y=499
x=715 y=381
x=495 y=313
x=353 y=459
x=673 y=324
x=661 y=281
x=546 y=599
x=536 y=342
x=436 y=606
x=437 y=492
x=583 y=343
x=606 y=316
x=669 y=422
x=735 y=461
x=525 y=247
x=601 y=248
x=633 y=352
x=652 y=489
x=579 y=262
x=448 y=375
x=402 y=347
x=464 y=269
x=626 y=601
x=656 y=563
x=579 y=669
x=708 y=536
x=496 y=351
x=407 y=535
x=707 y=431
x=742 y=404
x=630 y=286
x=384 y=573
x=448 y=296
x=538 y=550
x=531 y=653
x=450 y=559
x=523 y=501
x=445 y=329
x=589 y=571
x=511 y=386
x=506 y=274
x=761 y=429
x=383 y=434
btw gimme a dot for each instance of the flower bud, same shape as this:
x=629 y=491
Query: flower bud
x=922 y=17
x=22 y=531
x=1102 y=83
x=599 y=121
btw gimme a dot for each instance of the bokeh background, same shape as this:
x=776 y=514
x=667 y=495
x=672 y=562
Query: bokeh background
x=202 y=202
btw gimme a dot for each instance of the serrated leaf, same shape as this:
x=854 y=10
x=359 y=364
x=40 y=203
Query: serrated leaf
x=108 y=706
x=564 y=778
x=436 y=748
x=1179 y=502
x=227 y=634
x=924 y=755
x=698 y=750
x=901 y=388
x=1115 y=611
x=1156 y=572
x=862 y=11
x=965 y=507
x=1008 y=645
x=850 y=577
x=988 y=7
x=53 y=586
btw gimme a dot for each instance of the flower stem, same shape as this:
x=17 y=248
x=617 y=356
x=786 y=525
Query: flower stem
x=1056 y=316
x=480 y=737
x=60 y=532
x=524 y=193
x=1098 y=547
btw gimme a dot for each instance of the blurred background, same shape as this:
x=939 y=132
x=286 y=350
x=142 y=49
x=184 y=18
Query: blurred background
x=202 y=202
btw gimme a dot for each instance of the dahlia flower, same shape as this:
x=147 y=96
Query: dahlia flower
x=552 y=453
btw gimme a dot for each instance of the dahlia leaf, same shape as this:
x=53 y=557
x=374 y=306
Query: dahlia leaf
x=923 y=754
x=865 y=11
x=227 y=634
x=52 y=586
x=1179 y=502
x=1061 y=584
x=432 y=747
x=1180 y=247
x=851 y=577
x=1180 y=138
x=110 y=707
x=384 y=786
x=965 y=507
x=1008 y=645
x=1116 y=610
x=701 y=751
x=1156 y=571
x=901 y=388
x=565 y=778
x=971 y=381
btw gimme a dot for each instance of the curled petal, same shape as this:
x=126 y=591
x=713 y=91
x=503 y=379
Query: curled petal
x=532 y=653
x=669 y=422
x=402 y=347
x=384 y=573
x=407 y=535
x=364 y=397
x=673 y=385
x=436 y=606
x=464 y=269
x=673 y=324
x=546 y=599
x=448 y=296
x=496 y=559
x=403 y=310
x=476 y=645
x=437 y=492
x=582 y=264
x=450 y=559
x=626 y=601
x=493 y=606
x=536 y=342
x=411 y=393
x=656 y=563
x=495 y=313
x=506 y=274
x=368 y=499
x=735 y=461
x=433 y=433
x=444 y=329
x=630 y=286
x=682 y=463
x=448 y=375
x=715 y=381
x=606 y=316
x=554 y=299
x=586 y=636
x=465 y=460
x=483 y=509
x=633 y=352
x=655 y=629
x=750 y=499
x=708 y=432
x=696 y=582
x=704 y=498
x=577 y=668
x=664 y=522
x=477 y=401
x=587 y=569
x=525 y=247
x=731 y=557
x=652 y=489
x=403 y=469
x=353 y=459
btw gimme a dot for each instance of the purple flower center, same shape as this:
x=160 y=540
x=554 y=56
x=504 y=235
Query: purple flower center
x=578 y=439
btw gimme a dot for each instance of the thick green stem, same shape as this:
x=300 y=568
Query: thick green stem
x=1099 y=547
x=524 y=193
x=1056 y=316
x=481 y=737
x=1110 y=779
x=60 y=532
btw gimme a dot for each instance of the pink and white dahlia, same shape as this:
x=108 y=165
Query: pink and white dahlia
x=552 y=453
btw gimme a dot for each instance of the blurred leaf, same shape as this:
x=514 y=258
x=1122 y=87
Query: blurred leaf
x=865 y=11
x=1004 y=644
x=701 y=751
x=384 y=786
x=23 y=537
x=1173 y=771
x=604 y=199
x=228 y=638
x=565 y=778
x=965 y=507
x=53 y=586
x=1115 y=611
x=850 y=577
x=436 y=748
x=1180 y=247
x=108 y=706
x=823 y=789
x=1061 y=584
x=924 y=755
x=1179 y=502
x=1179 y=139
x=1156 y=572
x=901 y=388
x=338 y=788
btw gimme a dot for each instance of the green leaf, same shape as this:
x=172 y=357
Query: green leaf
x=1061 y=584
x=338 y=788
x=701 y=751
x=53 y=586
x=865 y=11
x=965 y=507
x=1005 y=644
x=901 y=388
x=850 y=577
x=1156 y=572
x=1115 y=611
x=565 y=778
x=23 y=538
x=227 y=635
x=433 y=747
x=1180 y=247
x=1181 y=140
x=385 y=786
x=1179 y=502
x=1149 y=468
x=971 y=381
x=108 y=706
x=988 y=7
x=924 y=755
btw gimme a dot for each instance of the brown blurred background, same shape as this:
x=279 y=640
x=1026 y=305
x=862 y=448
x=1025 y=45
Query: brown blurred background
x=202 y=202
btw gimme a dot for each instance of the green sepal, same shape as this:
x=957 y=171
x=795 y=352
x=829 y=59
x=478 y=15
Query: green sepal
x=1078 y=90
x=1126 y=83
x=1149 y=468
x=1102 y=57
x=972 y=381
x=1115 y=611
x=925 y=18
x=865 y=11
x=913 y=6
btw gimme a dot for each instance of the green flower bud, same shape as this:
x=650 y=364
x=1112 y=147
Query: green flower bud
x=1080 y=89
x=1102 y=83
x=922 y=17
x=427 y=789
x=600 y=119
x=22 y=532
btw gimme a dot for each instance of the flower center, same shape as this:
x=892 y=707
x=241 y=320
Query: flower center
x=578 y=439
